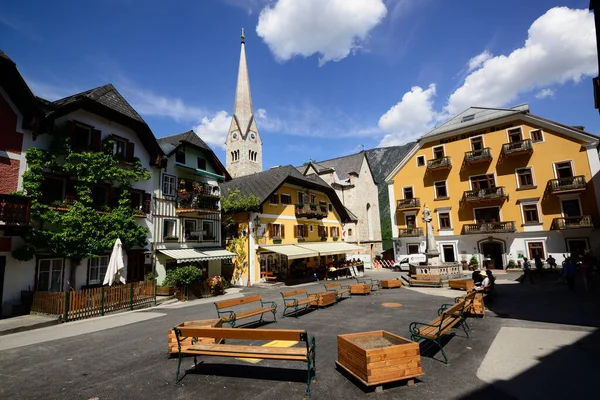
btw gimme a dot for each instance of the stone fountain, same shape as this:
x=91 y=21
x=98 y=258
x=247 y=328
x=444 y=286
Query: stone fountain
x=434 y=265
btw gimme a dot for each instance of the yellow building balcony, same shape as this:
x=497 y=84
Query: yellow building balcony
x=409 y=204
x=310 y=211
x=487 y=195
x=517 y=148
x=439 y=163
x=410 y=232
x=478 y=156
x=583 y=221
x=566 y=185
x=489 y=227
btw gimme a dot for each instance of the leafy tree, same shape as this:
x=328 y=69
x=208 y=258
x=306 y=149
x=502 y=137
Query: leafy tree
x=240 y=263
x=77 y=229
x=236 y=201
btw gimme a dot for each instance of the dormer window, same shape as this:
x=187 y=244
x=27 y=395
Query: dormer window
x=201 y=163
x=180 y=157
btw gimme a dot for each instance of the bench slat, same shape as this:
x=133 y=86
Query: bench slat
x=262 y=356
x=244 y=333
x=237 y=302
x=251 y=313
x=251 y=350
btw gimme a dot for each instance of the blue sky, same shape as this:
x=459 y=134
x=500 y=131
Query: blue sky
x=328 y=76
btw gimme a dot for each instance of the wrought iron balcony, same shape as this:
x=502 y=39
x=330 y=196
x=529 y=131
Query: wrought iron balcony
x=439 y=163
x=583 y=221
x=410 y=232
x=197 y=203
x=310 y=211
x=477 y=156
x=484 y=195
x=489 y=227
x=14 y=210
x=406 y=204
x=566 y=185
x=517 y=148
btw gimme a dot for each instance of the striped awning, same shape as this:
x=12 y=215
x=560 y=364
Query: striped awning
x=331 y=248
x=191 y=255
x=291 y=251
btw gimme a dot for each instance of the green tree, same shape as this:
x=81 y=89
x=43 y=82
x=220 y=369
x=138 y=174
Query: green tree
x=78 y=229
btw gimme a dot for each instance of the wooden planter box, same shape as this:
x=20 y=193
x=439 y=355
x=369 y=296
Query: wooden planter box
x=208 y=323
x=392 y=283
x=360 y=288
x=461 y=284
x=323 y=299
x=478 y=305
x=165 y=290
x=379 y=357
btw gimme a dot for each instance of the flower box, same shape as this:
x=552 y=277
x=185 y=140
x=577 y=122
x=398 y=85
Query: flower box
x=379 y=357
x=301 y=240
x=324 y=239
x=323 y=208
x=299 y=205
x=276 y=241
x=335 y=239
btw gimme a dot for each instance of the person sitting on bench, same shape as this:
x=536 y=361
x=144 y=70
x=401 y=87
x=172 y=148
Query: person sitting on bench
x=477 y=277
x=488 y=282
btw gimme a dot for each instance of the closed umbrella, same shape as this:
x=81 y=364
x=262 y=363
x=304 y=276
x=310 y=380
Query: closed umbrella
x=116 y=270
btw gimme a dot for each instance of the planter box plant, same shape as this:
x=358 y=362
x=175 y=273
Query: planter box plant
x=379 y=357
x=276 y=241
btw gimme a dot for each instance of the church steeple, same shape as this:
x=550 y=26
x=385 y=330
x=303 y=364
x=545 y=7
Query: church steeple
x=244 y=147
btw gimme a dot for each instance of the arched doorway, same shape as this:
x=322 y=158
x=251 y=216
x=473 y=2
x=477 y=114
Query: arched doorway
x=492 y=249
x=369 y=227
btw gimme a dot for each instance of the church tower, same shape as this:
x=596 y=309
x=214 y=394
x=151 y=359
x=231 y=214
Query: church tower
x=244 y=147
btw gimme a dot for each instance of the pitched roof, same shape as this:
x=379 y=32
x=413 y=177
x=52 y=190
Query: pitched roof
x=105 y=95
x=263 y=184
x=476 y=116
x=383 y=159
x=343 y=166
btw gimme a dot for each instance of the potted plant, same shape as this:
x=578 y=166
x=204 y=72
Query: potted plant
x=276 y=241
x=182 y=278
x=473 y=263
x=301 y=240
x=313 y=206
x=335 y=238
x=323 y=238
x=464 y=262
x=171 y=238
x=323 y=208
x=511 y=264
x=299 y=205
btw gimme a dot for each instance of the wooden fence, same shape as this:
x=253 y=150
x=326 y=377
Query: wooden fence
x=89 y=303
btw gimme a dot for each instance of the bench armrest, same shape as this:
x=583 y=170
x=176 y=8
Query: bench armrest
x=293 y=300
x=270 y=303
x=414 y=328
x=444 y=307
x=230 y=315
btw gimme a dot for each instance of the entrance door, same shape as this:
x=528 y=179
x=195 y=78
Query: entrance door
x=2 y=268
x=571 y=208
x=578 y=246
x=448 y=250
x=135 y=266
x=492 y=251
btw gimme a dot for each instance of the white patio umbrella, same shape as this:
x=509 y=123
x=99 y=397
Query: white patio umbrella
x=116 y=270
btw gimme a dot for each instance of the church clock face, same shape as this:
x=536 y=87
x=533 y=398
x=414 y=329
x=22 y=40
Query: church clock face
x=252 y=136
x=234 y=136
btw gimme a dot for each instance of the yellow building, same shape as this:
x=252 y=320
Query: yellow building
x=296 y=230
x=502 y=184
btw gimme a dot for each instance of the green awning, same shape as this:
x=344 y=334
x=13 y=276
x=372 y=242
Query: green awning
x=330 y=248
x=210 y=174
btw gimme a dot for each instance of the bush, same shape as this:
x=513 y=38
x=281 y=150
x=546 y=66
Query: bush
x=511 y=264
x=151 y=277
x=474 y=261
x=183 y=276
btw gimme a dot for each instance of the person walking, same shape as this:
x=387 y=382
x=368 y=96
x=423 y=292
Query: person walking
x=570 y=273
x=526 y=271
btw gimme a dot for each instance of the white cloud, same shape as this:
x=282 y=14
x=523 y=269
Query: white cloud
x=542 y=94
x=50 y=92
x=411 y=117
x=330 y=28
x=560 y=47
x=213 y=130
x=148 y=103
x=478 y=60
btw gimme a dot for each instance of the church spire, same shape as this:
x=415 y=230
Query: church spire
x=244 y=147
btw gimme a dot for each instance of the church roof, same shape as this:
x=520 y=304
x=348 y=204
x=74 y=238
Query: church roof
x=243 y=112
x=343 y=166
x=264 y=183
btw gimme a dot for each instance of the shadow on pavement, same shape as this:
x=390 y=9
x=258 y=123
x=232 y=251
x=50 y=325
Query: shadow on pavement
x=250 y=372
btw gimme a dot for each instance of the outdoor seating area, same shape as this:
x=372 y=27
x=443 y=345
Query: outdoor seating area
x=230 y=315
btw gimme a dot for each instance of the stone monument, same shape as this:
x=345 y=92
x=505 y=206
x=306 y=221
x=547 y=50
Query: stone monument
x=431 y=251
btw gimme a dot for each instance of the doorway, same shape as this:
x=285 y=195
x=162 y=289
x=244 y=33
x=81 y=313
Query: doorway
x=492 y=251
x=448 y=251
x=2 y=268
x=571 y=208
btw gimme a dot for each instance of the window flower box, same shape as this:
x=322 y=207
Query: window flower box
x=276 y=241
x=323 y=208
x=324 y=239
x=299 y=205
x=335 y=239
x=301 y=240
x=313 y=206
x=192 y=238
x=170 y=238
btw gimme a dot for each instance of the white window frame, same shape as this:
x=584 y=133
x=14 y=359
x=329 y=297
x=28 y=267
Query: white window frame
x=512 y=129
x=271 y=199
x=276 y=235
x=435 y=196
x=475 y=137
x=99 y=267
x=424 y=161
x=174 y=231
x=280 y=199
x=445 y=210
x=560 y=162
x=408 y=187
x=209 y=239
x=408 y=214
x=540 y=240
x=442 y=244
x=529 y=203
x=486 y=173
x=62 y=272
x=530 y=168
x=535 y=130
x=173 y=185
x=443 y=146
x=481 y=208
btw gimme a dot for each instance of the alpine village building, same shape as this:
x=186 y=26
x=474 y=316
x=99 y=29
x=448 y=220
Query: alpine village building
x=352 y=179
x=502 y=184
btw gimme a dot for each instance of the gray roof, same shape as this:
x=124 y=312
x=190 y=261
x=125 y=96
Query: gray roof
x=383 y=159
x=343 y=166
x=476 y=116
x=353 y=217
x=105 y=95
x=170 y=143
x=263 y=184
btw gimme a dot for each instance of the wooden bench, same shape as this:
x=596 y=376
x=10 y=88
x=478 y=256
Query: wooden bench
x=268 y=276
x=375 y=283
x=296 y=299
x=338 y=289
x=230 y=316
x=434 y=330
x=306 y=353
x=461 y=284
x=429 y=280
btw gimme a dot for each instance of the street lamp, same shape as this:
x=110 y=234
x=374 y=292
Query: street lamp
x=256 y=221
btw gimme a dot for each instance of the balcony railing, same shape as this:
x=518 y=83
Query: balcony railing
x=408 y=204
x=564 y=185
x=476 y=156
x=489 y=227
x=439 y=163
x=515 y=148
x=14 y=210
x=410 y=232
x=583 y=221
x=484 y=195
x=196 y=202
x=310 y=211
